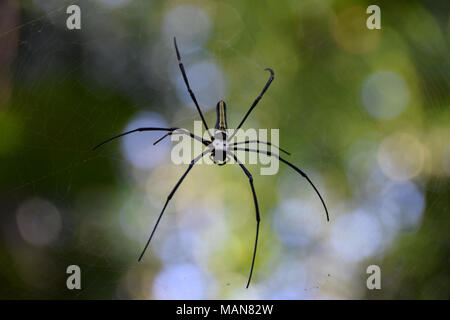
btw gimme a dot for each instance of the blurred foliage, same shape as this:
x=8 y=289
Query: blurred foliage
x=59 y=108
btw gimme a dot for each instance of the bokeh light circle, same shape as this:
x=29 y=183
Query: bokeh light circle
x=182 y=281
x=138 y=147
x=190 y=24
x=401 y=156
x=210 y=85
x=350 y=31
x=39 y=221
x=113 y=4
x=357 y=235
x=295 y=224
x=385 y=95
x=402 y=205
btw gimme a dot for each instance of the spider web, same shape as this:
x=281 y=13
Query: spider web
x=71 y=89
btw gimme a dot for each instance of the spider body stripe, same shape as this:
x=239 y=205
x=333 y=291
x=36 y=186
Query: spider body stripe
x=220 y=144
x=221 y=109
x=220 y=151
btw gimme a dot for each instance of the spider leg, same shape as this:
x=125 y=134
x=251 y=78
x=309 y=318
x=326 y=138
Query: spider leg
x=162 y=138
x=183 y=72
x=170 y=197
x=303 y=174
x=182 y=131
x=170 y=130
x=255 y=200
x=272 y=75
x=257 y=141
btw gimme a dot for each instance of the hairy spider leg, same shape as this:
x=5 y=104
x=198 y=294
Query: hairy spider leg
x=255 y=200
x=262 y=142
x=191 y=93
x=272 y=75
x=193 y=136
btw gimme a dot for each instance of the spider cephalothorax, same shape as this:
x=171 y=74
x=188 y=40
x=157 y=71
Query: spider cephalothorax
x=220 y=150
x=219 y=153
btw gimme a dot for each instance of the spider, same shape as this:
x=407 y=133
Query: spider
x=220 y=149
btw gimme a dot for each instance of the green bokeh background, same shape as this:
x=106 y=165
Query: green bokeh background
x=54 y=108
